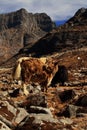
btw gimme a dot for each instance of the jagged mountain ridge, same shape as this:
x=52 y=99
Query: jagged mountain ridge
x=22 y=18
x=80 y=17
x=71 y=35
x=20 y=28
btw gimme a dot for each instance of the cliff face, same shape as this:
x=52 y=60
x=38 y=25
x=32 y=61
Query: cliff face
x=20 y=28
x=29 y=21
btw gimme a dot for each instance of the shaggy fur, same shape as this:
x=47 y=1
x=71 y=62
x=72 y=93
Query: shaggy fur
x=35 y=70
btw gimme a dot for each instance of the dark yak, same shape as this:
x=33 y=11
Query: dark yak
x=61 y=75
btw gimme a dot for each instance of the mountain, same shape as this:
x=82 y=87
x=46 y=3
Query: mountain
x=71 y=35
x=80 y=18
x=20 y=28
x=37 y=35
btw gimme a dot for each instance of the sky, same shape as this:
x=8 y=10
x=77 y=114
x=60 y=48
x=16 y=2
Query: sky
x=58 y=10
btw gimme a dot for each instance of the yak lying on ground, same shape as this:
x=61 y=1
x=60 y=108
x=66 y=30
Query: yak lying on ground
x=35 y=70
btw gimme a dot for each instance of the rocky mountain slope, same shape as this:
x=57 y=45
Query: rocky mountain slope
x=20 y=28
x=71 y=35
x=62 y=107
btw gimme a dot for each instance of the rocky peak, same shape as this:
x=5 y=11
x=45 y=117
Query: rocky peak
x=11 y=19
x=22 y=17
x=21 y=28
x=80 y=17
x=44 y=21
x=81 y=11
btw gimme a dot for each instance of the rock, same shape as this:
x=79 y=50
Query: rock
x=4 y=93
x=21 y=115
x=35 y=100
x=10 y=114
x=3 y=126
x=82 y=101
x=6 y=122
x=37 y=110
x=81 y=115
x=69 y=111
x=39 y=118
x=35 y=89
x=66 y=95
x=14 y=93
x=72 y=110
x=66 y=121
x=39 y=121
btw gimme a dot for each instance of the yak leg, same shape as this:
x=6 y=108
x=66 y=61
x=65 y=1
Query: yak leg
x=24 y=89
x=48 y=83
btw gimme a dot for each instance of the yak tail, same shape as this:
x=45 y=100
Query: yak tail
x=17 y=71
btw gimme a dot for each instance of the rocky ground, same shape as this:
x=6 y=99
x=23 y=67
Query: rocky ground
x=61 y=108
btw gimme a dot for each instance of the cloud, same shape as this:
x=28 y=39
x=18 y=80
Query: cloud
x=56 y=9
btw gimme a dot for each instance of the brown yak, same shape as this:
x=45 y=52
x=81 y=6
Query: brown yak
x=35 y=70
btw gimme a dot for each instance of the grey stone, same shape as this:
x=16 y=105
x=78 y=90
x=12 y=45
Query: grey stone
x=3 y=126
x=11 y=114
x=66 y=121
